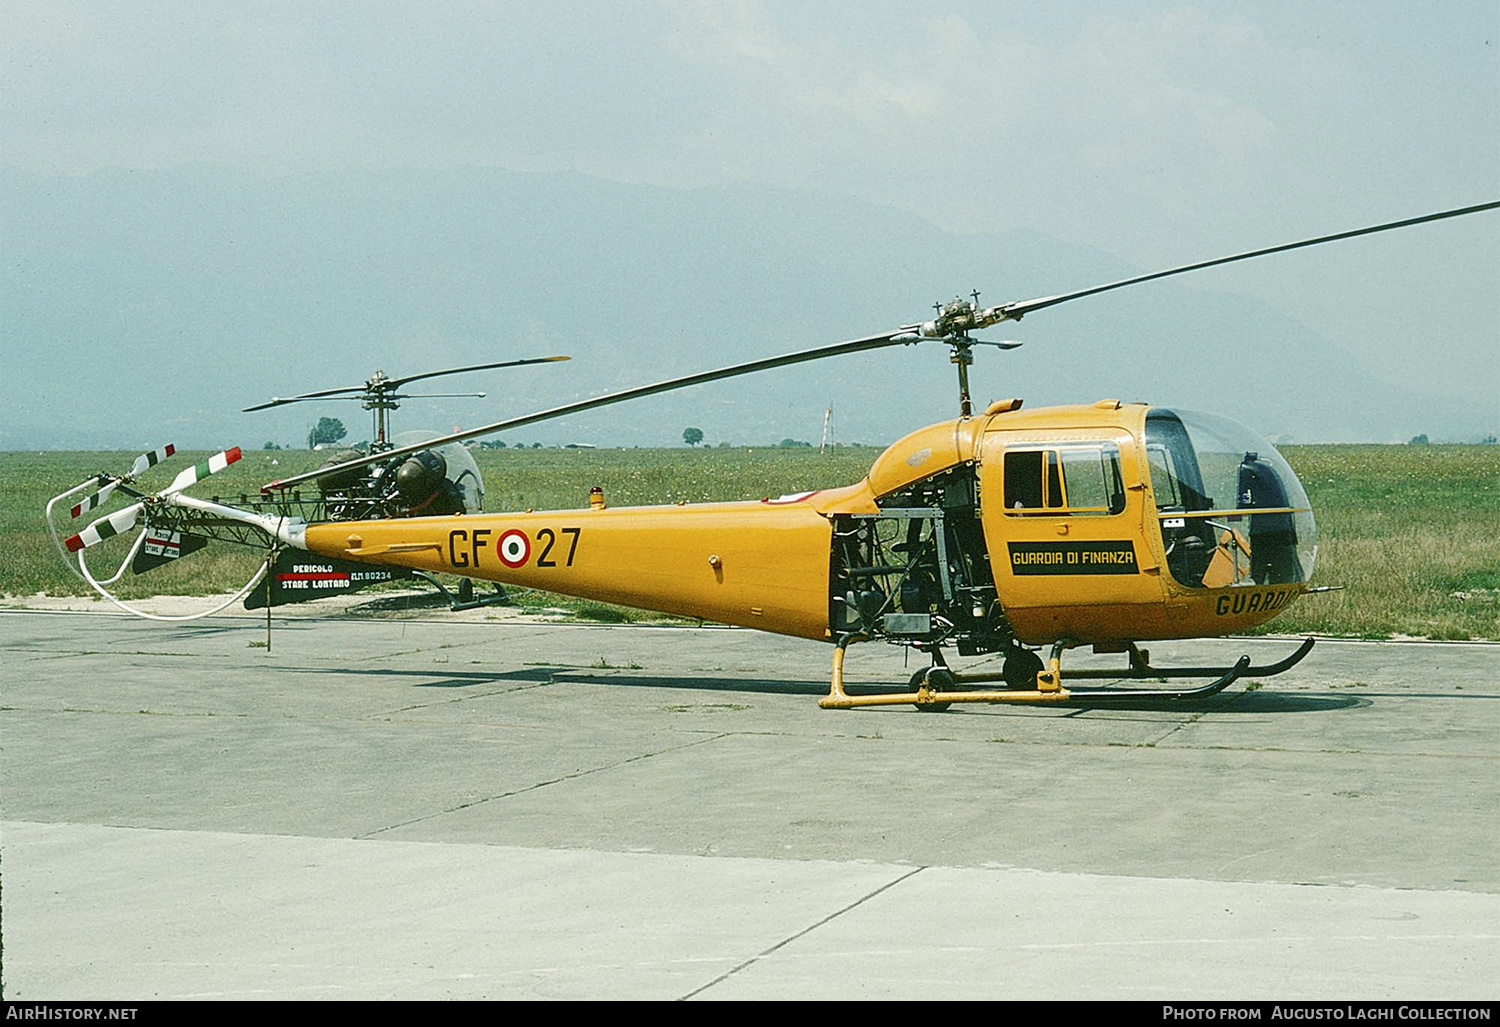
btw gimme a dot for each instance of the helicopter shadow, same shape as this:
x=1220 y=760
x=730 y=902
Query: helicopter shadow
x=762 y=686
x=1262 y=701
x=430 y=679
x=1258 y=701
x=585 y=676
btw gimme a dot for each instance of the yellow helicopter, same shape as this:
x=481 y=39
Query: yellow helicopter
x=1003 y=530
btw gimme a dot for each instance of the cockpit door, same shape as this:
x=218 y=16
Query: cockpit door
x=1064 y=516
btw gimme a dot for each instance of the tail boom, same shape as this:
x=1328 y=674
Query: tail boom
x=761 y=565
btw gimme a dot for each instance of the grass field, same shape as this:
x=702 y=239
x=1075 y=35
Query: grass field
x=1412 y=532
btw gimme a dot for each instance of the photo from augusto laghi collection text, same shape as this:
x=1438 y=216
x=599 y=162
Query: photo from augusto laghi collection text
x=1331 y=1011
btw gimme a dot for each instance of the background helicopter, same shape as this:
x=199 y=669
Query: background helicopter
x=441 y=479
x=421 y=483
x=1002 y=531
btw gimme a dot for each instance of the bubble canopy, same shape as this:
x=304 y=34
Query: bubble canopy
x=1231 y=509
x=461 y=468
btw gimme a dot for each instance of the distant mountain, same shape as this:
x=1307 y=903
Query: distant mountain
x=141 y=307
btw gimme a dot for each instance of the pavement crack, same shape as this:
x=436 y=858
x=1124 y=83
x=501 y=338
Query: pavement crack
x=1207 y=747
x=1186 y=722
x=543 y=784
x=459 y=698
x=802 y=933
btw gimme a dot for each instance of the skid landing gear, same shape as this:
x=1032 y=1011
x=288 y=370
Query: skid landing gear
x=937 y=687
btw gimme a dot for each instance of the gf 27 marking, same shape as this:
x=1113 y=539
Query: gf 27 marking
x=513 y=547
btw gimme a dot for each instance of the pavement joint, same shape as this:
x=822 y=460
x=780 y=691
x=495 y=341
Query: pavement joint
x=112 y=653
x=802 y=933
x=544 y=784
x=1192 y=719
x=149 y=713
x=458 y=699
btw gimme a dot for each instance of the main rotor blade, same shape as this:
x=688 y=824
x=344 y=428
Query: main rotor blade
x=1014 y=311
x=900 y=336
x=397 y=382
x=944 y=328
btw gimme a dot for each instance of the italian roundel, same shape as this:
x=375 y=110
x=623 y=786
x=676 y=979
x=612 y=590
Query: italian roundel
x=514 y=548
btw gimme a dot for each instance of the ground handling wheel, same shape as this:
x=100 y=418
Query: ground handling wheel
x=937 y=678
x=1021 y=667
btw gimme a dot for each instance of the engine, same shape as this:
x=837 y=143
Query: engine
x=429 y=483
x=918 y=572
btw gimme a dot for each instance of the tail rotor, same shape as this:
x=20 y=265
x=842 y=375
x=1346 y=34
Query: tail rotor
x=126 y=519
x=105 y=486
x=123 y=520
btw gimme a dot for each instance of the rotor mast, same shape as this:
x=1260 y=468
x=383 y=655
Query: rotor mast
x=952 y=325
x=380 y=397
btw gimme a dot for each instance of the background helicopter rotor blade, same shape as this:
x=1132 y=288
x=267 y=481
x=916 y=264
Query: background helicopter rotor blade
x=440 y=395
x=277 y=401
x=385 y=395
x=1015 y=311
x=397 y=382
x=364 y=391
x=900 y=336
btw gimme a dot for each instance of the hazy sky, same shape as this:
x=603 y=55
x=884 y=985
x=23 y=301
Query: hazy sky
x=1160 y=132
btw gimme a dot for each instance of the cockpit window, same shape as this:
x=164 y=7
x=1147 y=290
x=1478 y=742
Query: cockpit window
x=1067 y=480
x=1231 y=510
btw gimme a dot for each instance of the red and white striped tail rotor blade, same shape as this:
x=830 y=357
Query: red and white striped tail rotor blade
x=97 y=499
x=196 y=473
x=104 y=528
x=142 y=464
x=148 y=460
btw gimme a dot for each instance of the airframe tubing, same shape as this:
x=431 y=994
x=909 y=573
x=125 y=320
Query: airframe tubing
x=96 y=481
x=838 y=699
